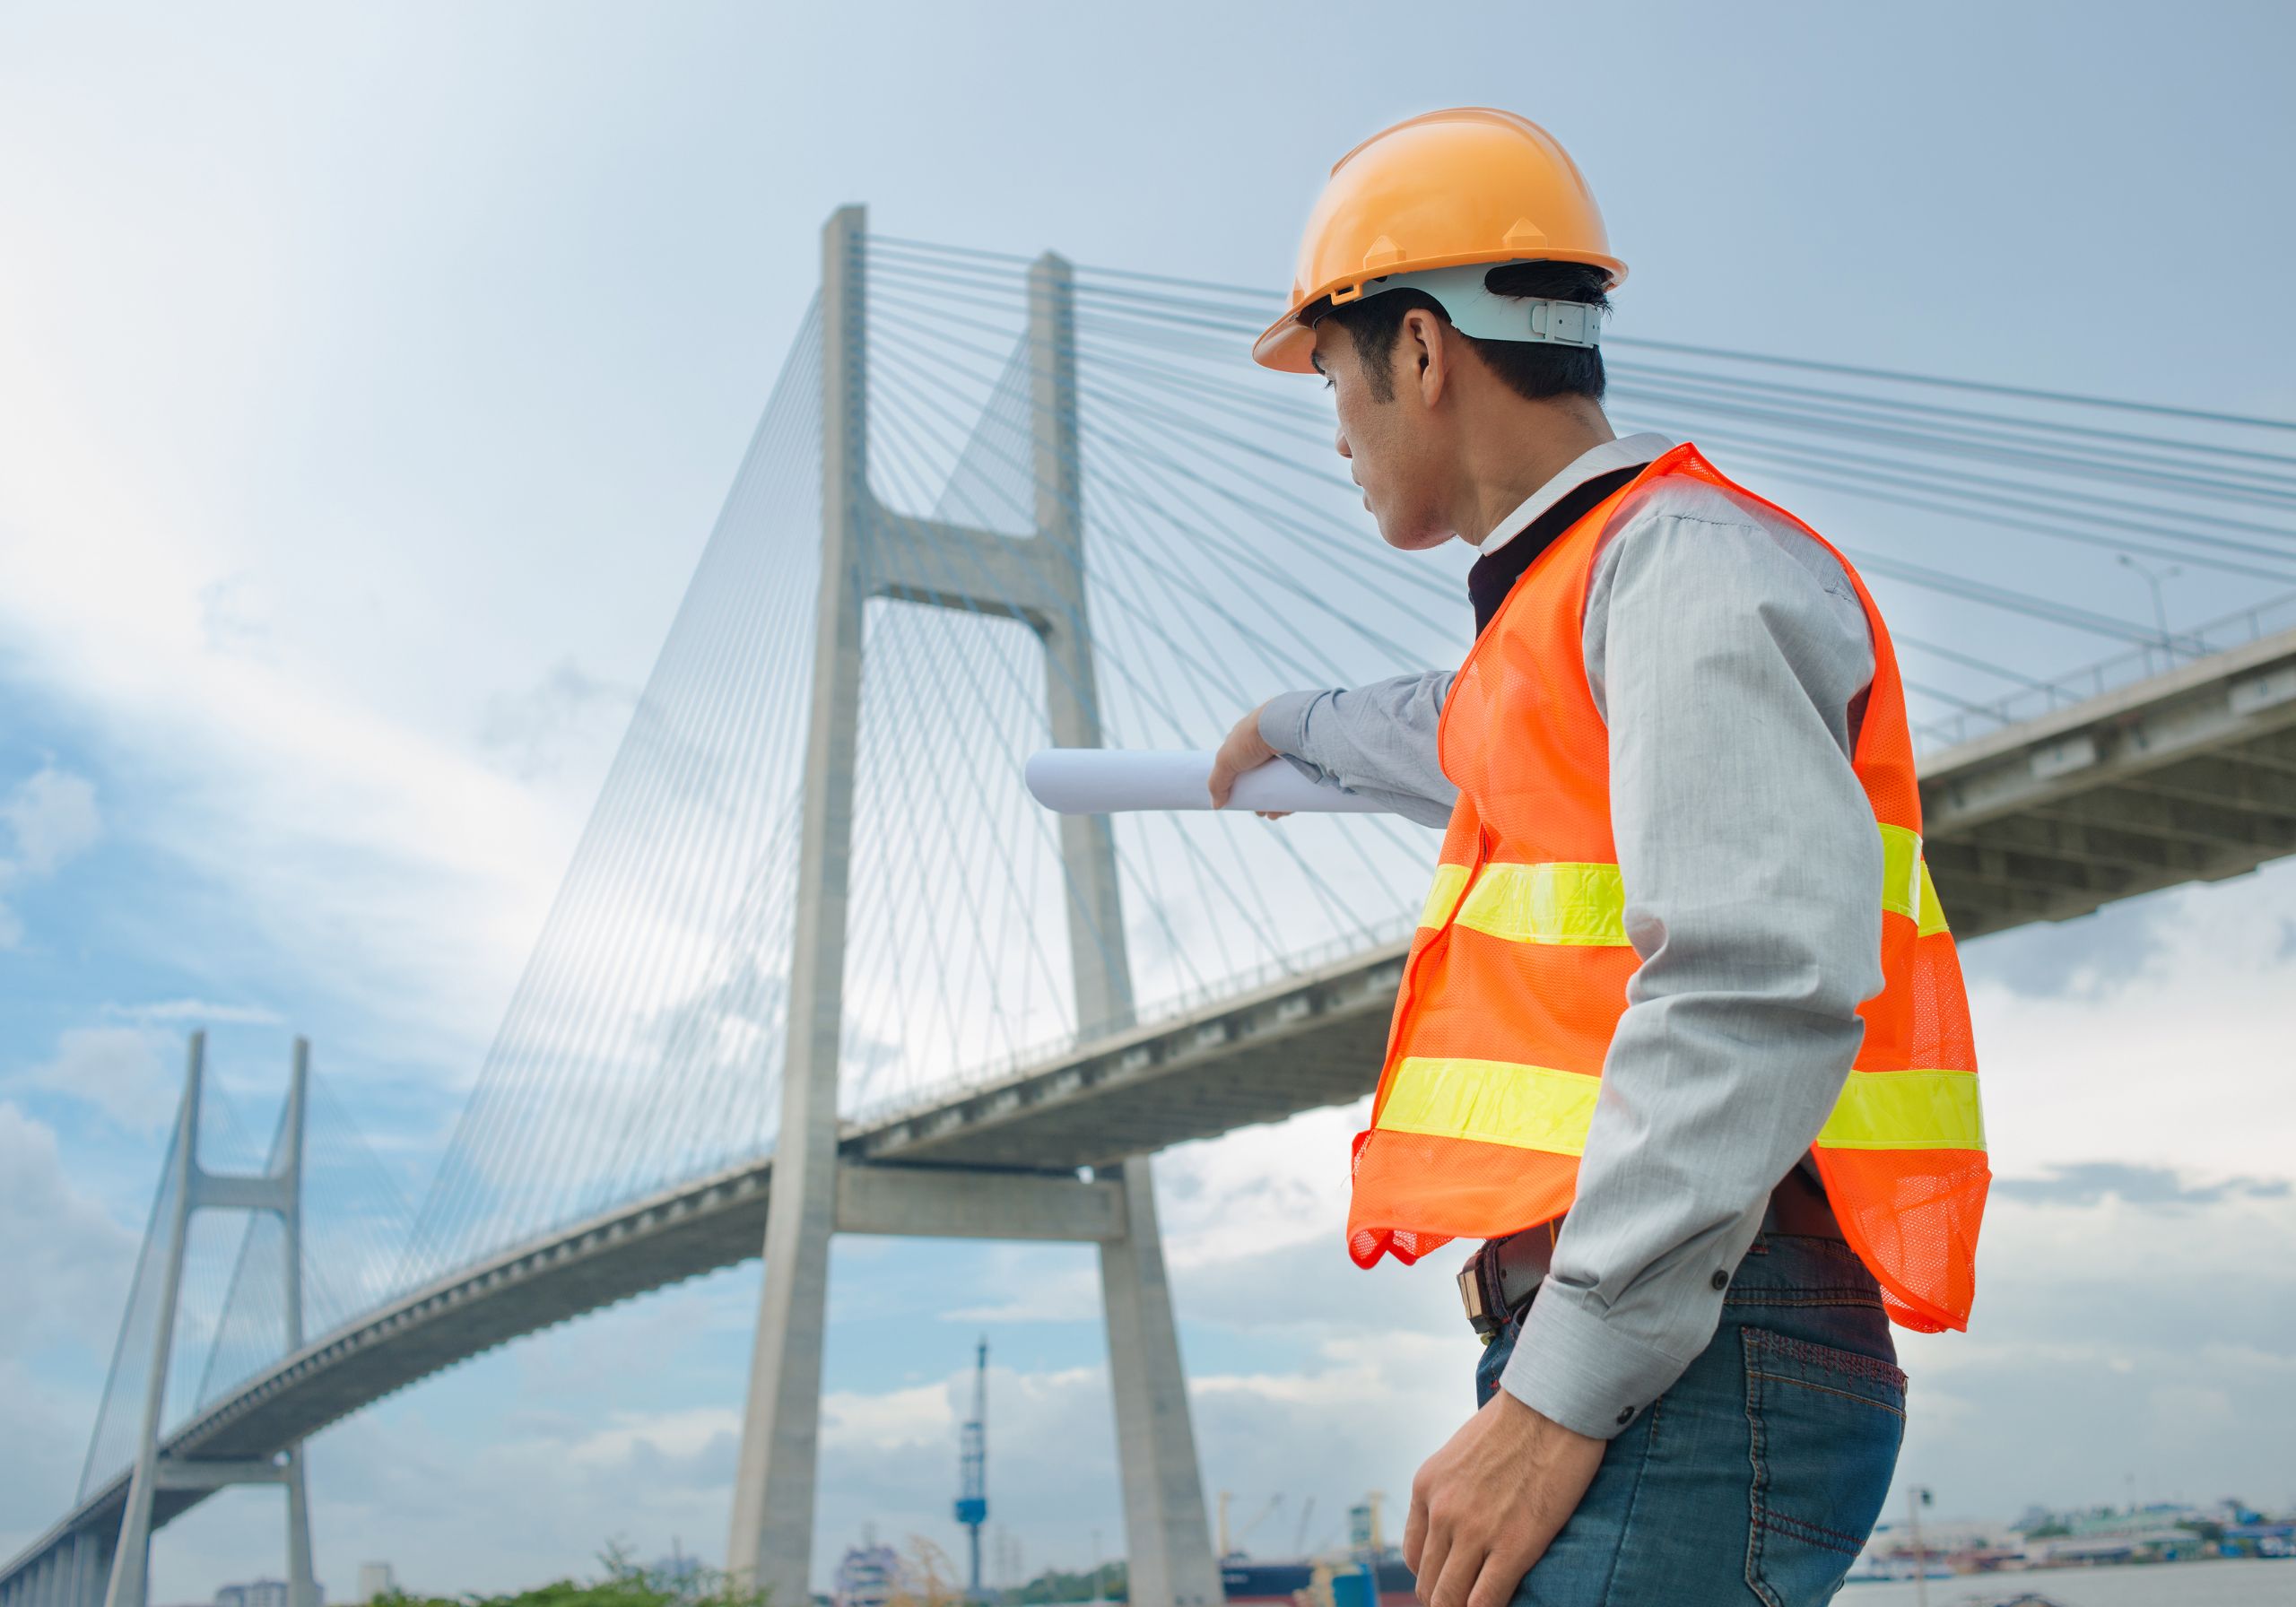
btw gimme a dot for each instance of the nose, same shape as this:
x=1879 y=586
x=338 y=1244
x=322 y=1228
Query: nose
x=1339 y=440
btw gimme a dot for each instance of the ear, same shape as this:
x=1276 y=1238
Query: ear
x=1422 y=356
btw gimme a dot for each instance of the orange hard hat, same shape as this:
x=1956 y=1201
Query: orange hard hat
x=1470 y=184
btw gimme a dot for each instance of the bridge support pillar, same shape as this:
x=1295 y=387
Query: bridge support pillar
x=191 y=1187
x=1167 y=1541
x=91 y=1570
x=1040 y=580
x=770 y=1546
x=302 y=1579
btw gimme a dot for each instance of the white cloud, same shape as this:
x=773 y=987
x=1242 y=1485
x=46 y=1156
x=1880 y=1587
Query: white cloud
x=1259 y=1188
x=197 y=1010
x=64 y=1261
x=916 y=1416
x=1068 y=1291
x=2178 y=1061
x=46 y=1431
x=567 y=722
x=65 y=1266
x=50 y=817
x=682 y=1434
x=382 y=861
x=120 y=1070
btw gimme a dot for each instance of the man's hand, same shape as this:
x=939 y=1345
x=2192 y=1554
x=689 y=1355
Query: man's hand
x=1485 y=1507
x=1244 y=749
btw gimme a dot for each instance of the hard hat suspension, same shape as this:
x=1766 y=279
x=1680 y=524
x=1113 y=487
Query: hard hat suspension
x=1476 y=310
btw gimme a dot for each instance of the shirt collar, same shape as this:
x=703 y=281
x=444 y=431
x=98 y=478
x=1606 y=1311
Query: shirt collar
x=1627 y=452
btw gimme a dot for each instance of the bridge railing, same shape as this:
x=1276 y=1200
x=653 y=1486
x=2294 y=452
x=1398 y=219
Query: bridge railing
x=2121 y=669
x=2107 y=674
x=1171 y=1008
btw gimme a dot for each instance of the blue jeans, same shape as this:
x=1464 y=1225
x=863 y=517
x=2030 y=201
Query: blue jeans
x=1758 y=1476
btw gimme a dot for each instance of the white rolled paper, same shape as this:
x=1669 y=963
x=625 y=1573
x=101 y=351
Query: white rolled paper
x=1111 y=780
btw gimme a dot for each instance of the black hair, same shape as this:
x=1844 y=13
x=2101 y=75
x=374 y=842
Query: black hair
x=1532 y=371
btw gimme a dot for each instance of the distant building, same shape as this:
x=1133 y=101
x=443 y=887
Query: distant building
x=376 y=1580
x=267 y=1593
x=258 y=1593
x=2261 y=1540
x=869 y=1577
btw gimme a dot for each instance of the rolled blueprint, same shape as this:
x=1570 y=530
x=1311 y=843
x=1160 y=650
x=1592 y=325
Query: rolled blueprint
x=1108 y=780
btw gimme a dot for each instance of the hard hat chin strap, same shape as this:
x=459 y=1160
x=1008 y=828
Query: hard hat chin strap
x=1475 y=309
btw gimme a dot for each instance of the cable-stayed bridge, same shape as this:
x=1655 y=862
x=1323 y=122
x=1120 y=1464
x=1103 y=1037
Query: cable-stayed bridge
x=820 y=966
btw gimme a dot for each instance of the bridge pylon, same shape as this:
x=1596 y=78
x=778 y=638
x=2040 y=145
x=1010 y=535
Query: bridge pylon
x=278 y=1190
x=1038 y=580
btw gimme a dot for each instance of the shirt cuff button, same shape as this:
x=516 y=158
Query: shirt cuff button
x=1721 y=1280
x=1626 y=1417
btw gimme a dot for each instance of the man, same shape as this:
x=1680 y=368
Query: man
x=1682 y=1037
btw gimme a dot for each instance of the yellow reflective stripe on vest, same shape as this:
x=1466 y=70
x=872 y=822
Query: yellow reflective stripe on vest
x=1450 y=881
x=1538 y=1108
x=1551 y=903
x=1906 y=1110
x=1560 y=903
x=1902 y=871
x=1932 y=913
x=1493 y=1102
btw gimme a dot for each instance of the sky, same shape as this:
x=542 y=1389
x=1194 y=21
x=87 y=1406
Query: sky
x=369 y=380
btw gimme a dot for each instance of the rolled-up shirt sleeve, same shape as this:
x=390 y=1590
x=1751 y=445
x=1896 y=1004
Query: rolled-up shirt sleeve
x=1728 y=653
x=1377 y=740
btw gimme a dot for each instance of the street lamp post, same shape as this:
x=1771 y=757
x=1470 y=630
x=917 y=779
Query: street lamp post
x=1917 y=1497
x=2159 y=608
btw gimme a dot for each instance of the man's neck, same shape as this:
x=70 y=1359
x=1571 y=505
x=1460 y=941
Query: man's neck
x=1520 y=450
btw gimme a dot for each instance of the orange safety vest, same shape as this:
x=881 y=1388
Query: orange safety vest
x=1518 y=974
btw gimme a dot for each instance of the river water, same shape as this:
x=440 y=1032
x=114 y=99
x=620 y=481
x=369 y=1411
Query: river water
x=2248 y=1581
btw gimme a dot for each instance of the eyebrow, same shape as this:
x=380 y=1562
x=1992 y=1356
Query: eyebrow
x=1315 y=360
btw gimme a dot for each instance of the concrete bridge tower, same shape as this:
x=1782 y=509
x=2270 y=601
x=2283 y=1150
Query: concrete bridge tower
x=816 y=1194
x=279 y=1191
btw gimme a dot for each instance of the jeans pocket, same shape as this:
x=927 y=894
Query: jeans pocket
x=1826 y=1426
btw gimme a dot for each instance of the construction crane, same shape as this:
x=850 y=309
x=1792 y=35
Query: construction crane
x=1234 y=1547
x=1259 y=1517
x=972 y=1465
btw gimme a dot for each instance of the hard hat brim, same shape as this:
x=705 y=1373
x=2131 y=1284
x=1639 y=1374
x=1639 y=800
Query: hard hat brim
x=1285 y=344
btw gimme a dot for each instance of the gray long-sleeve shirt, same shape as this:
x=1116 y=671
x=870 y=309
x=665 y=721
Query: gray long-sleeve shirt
x=1729 y=657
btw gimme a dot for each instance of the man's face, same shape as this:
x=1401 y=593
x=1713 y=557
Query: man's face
x=1391 y=446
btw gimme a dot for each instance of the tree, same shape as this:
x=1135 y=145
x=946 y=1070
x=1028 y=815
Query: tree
x=928 y=1577
x=1055 y=1584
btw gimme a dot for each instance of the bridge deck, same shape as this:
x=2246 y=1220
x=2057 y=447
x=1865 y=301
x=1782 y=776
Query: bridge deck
x=2188 y=777
x=2191 y=776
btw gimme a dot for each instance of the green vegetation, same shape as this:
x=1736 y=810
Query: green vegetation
x=1054 y=1585
x=620 y=1584
x=928 y=1581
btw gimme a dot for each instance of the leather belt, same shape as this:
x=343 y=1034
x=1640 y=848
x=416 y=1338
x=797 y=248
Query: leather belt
x=1499 y=1279
x=1501 y=1276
